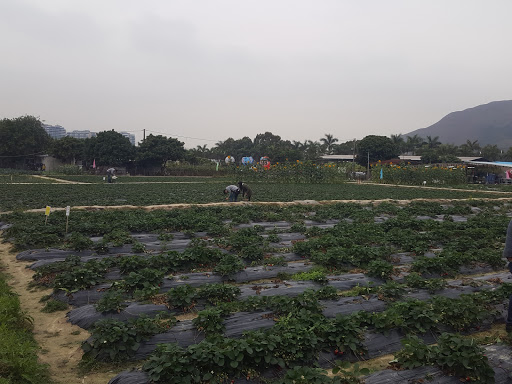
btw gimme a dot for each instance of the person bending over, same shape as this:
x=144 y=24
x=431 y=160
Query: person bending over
x=233 y=191
x=246 y=191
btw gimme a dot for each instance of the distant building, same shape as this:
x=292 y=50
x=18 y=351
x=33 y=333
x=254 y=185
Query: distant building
x=86 y=134
x=55 y=131
x=130 y=136
x=337 y=158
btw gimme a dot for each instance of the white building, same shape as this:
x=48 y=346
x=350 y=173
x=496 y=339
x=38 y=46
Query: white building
x=85 y=134
x=130 y=137
x=55 y=131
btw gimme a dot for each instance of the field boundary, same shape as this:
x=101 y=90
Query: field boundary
x=58 y=180
x=253 y=203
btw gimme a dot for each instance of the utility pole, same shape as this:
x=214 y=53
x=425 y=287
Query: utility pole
x=353 y=156
x=368 y=171
x=144 y=134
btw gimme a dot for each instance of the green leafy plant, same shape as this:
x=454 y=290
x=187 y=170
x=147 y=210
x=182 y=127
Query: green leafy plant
x=182 y=297
x=112 y=300
x=54 y=306
x=381 y=269
x=209 y=321
x=79 y=242
x=458 y=355
x=138 y=247
x=144 y=278
x=218 y=293
x=316 y=275
x=118 y=237
x=229 y=265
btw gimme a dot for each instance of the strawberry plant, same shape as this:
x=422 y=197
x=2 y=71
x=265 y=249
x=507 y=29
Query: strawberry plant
x=112 y=300
x=138 y=247
x=218 y=293
x=133 y=263
x=79 y=242
x=146 y=277
x=317 y=275
x=91 y=273
x=453 y=353
x=391 y=291
x=112 y=340
x=182 y=297
x=415 y=353
x=229 y=265
x=118 y=237
x=209 y=321
x=380 y=269
x=415 y=280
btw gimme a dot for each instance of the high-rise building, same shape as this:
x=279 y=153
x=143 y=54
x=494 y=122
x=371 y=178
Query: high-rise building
x=55 y=131
x=85 y=134
x=130 y=136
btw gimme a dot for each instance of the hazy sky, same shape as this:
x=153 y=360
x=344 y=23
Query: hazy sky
x=213 y=69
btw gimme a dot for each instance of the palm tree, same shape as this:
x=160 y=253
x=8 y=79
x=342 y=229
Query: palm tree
x=433 y=142
x=398 y=140
x=413 y=143
x=328 y=141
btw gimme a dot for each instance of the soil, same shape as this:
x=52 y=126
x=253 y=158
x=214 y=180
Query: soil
x=58 y=339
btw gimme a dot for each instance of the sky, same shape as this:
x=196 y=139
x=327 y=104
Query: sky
x=206 y=70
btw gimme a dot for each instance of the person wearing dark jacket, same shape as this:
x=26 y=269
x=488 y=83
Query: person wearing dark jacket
x=246 y=191
x=507 y=253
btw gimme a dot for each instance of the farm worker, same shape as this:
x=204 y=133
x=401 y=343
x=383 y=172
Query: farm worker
x=246 y=191
x=110 y=173
x=507 y=252
x=233 y=191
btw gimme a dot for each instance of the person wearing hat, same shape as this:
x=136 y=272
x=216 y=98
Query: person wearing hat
x=233 y=191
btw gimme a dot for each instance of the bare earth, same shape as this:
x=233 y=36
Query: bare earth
x=59 y=340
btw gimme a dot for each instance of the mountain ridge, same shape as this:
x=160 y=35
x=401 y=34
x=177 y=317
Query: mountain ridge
x=489 y=123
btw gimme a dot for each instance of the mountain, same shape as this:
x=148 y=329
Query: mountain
x=488 y=123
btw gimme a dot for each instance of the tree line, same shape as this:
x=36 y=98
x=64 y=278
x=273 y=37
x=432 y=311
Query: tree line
x=23 y=139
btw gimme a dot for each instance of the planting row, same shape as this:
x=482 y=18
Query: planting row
x=391 y=259
x=21 y=197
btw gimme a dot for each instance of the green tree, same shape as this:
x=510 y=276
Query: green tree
x=430 y=156
x=21 y=138
x=328 y=141
x=470 y=148
x=399 y=141
x=155 y=151
x=491 y=152
x=377 y=147
x=413 y=143
x=109 y=148
x=67 y=149
x=508 y=155
x=432 y=142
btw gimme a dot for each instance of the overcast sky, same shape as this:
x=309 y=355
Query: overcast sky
x=213 y=69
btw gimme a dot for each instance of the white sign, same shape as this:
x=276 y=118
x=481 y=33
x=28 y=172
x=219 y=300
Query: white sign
x=68 y=208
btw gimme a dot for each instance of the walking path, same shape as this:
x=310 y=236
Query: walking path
x=54 y=179
x=252 y=203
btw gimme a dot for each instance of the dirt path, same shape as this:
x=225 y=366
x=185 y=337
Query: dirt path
x=276 y=203
x=59 y=340
x=58 y=180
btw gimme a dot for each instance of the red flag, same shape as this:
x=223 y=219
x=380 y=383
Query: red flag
x=94 y=163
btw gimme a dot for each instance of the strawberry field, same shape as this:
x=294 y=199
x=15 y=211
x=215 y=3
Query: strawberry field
x=33 y=196
x=267 y=294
